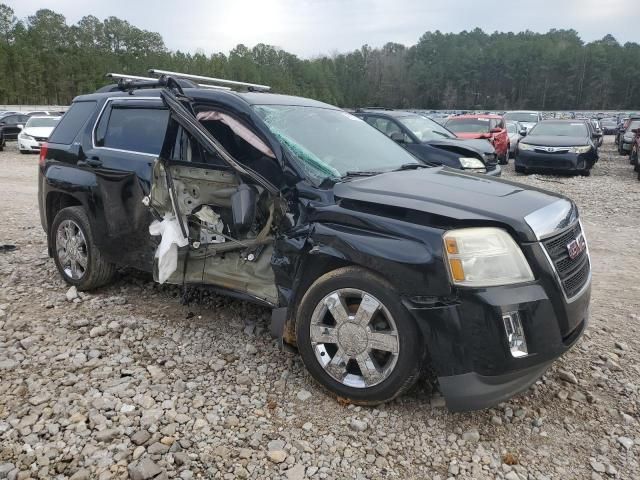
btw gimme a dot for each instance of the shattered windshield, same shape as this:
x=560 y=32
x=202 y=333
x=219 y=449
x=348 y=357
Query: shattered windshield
x=425 y=128
x=330 y=143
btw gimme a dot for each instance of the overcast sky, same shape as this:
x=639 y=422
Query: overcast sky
x=309 y=28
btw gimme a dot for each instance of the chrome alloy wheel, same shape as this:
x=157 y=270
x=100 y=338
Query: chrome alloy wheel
x=354 y=338
x=71 y=248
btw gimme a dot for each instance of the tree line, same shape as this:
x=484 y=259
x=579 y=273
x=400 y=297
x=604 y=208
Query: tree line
x=44 y=60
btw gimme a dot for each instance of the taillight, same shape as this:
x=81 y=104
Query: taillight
x=43 y=154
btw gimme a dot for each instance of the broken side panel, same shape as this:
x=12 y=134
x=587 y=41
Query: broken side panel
x=214 y=252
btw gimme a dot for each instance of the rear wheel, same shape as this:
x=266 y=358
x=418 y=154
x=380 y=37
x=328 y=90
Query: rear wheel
x=586 y=172
x=356 y=338
x=78 y=259
x=520 y=169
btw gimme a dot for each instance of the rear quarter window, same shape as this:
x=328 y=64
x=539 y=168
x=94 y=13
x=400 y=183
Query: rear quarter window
x=72 y=122
x=139 y=130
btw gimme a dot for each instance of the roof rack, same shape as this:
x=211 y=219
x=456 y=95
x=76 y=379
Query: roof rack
x=233 y=83
x=124 y=77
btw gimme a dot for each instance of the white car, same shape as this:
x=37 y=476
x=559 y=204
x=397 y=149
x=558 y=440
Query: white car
x=526 y=118
x=35 y=132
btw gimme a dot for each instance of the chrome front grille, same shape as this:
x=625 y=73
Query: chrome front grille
x=573 y=273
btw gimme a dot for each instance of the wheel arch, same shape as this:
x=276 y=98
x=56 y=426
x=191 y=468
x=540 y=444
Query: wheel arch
x=410 y=266
x=55 y=202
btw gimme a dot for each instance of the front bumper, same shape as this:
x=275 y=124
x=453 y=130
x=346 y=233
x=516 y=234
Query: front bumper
x=28 y=145
x=495 y=172
x=468 y=346
x=562 y=162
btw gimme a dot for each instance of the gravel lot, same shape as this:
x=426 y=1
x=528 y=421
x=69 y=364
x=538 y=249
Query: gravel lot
x=127 y=382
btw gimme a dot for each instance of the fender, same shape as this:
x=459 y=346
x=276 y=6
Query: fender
x=415 y=267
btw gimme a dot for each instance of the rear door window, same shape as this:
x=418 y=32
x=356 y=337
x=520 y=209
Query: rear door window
x=72 y=122
x=135 y=129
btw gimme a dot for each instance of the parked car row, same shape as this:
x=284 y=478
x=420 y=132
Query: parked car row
x=14 y=126
x=635 y=148
x=377 y=265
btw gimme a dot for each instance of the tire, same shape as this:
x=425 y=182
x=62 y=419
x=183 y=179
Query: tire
x=72 y=224
x=505 y=160
x=1 y=143
x=520 y=169
x=586 y=172
x=391 y=370
x=24 y=152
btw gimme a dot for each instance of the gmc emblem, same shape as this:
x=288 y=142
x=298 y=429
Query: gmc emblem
x=576 y=247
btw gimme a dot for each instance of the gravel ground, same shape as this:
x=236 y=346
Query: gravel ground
x=127 y=382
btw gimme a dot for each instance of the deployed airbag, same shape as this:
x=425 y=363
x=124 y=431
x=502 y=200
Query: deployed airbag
x=167 y=251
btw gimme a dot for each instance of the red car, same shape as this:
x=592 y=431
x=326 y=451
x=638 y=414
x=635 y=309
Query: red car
x=489 y=127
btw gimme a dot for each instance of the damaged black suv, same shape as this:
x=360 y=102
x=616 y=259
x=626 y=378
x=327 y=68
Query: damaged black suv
x=376 y=265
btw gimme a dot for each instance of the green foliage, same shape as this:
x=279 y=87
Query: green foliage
x=46 y=61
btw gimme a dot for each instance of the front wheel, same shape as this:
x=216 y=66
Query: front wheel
x=505 y=159
x=356 y=338
x=520 y=169
x=78 y=259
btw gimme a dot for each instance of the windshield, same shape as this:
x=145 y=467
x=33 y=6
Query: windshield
x=42 y=122
x=468 y=125
x=555 y=129
x=521 y=117
x=330 y=143
x=425 y=128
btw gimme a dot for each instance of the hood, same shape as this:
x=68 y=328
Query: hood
x=554 y=141
x=455 y=195
x=459 y=145
x=38 y=131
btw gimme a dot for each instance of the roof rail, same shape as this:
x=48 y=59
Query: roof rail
x=124 y=76
x=363 y=109
x=233 y=83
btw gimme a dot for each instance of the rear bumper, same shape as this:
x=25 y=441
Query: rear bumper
x=562 y=162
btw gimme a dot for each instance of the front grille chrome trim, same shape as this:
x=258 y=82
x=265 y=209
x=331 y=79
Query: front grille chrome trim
x=556 y=274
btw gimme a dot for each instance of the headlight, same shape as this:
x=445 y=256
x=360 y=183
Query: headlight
x=581 y=149
x=525 y=146
x=469 y=163
x=484 y=257
x=24 y=136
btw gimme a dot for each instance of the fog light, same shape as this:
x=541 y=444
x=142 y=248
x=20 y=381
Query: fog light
x=515 y=334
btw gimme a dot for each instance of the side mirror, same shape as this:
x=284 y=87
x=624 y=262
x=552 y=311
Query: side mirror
x=397 y=137
x=523 y=132
x=243 y=208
